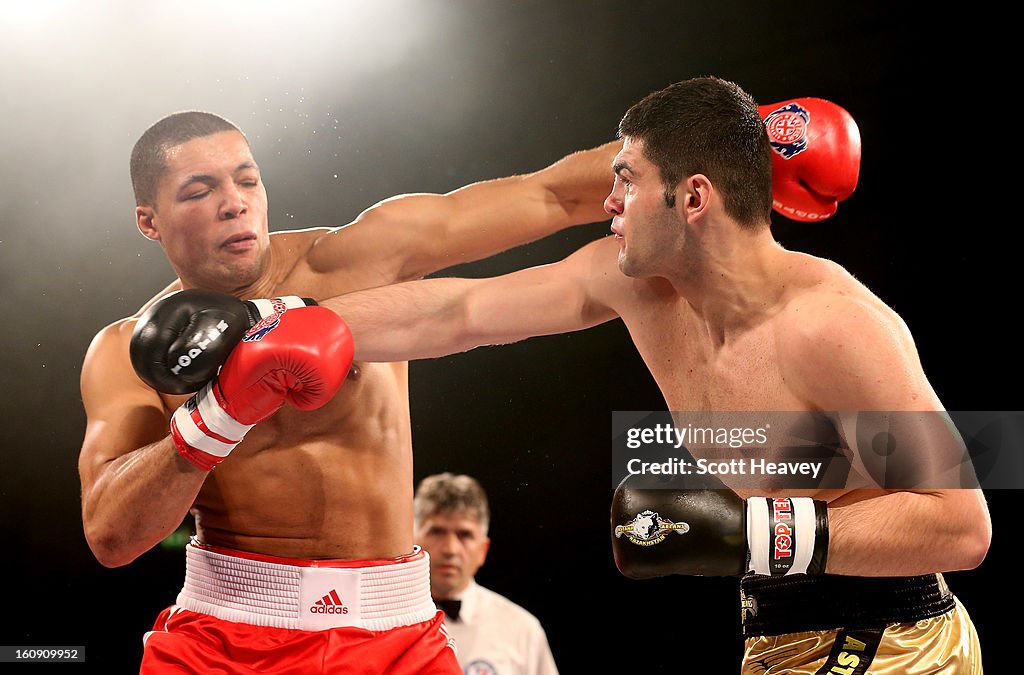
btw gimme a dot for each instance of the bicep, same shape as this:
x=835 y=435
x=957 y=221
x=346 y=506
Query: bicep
x=122 y=413
x=384 y=237
x=862 y=364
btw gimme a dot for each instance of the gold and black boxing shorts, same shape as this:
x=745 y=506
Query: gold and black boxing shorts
x=835 y=625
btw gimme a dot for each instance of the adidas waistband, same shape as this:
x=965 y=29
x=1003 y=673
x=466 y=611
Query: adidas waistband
x=307 y=595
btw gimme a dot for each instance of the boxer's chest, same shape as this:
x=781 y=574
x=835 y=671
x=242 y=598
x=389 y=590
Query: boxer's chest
x=698 y=371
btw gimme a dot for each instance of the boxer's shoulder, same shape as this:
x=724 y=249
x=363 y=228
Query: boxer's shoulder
x=299 y=241
x=114 y=337
x=818 y=291
x=295 y=248
x=597 y=264
x=322 y=262
x=833 y=316
x=838 y=343
x=107 y=373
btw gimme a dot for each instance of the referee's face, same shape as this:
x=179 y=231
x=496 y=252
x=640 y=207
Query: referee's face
x=457 y=547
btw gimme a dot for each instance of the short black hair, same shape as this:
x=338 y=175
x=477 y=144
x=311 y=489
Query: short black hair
x=149 y=156
x=711 y=126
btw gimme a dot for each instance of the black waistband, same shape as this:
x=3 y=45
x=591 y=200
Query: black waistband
x=798 y=603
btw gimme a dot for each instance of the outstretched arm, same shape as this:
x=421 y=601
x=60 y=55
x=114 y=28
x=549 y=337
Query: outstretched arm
x=436 y=317
x=429 y=232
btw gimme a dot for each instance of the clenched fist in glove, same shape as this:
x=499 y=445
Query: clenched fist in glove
x=657 y=532
x=181 y=340
x=302 y=360
x=816 y=161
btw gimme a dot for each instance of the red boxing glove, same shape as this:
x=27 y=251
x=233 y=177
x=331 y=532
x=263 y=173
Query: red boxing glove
x=300 y=357
x=817 y=156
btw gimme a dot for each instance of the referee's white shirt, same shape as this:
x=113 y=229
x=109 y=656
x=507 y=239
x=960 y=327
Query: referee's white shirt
x=495 y=636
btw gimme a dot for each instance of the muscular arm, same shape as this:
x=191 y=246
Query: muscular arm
x=908 y=533
x=136 y=488
x=436 y=317
x=871 y=364
x=425 y=233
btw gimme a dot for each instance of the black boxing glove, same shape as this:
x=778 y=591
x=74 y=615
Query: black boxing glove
x=181 y=341
x=659 y=532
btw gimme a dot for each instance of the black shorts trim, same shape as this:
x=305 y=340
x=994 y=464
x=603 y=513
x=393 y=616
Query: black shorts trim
x=799 y=603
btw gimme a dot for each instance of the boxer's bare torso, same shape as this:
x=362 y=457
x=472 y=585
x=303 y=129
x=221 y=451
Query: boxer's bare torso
x=331 y=483
x=759 y=364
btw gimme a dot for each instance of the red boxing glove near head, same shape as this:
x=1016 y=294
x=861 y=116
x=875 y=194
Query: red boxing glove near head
x=816 y=161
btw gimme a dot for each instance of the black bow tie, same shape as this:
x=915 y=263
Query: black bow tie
x=450 y=608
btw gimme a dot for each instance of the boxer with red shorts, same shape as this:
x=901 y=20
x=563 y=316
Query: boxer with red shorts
x=283 y=472
x=245 y=612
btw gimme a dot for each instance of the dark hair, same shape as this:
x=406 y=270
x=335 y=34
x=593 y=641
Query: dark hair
x=149 y=156
x=711 y=126
x=446 y=492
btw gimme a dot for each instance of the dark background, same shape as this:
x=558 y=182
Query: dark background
x=346 y=104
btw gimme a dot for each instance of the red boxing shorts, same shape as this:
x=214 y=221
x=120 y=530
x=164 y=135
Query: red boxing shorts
x=248 y=613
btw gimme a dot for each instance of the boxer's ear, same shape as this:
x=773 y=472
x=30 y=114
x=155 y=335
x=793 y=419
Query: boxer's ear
x=693 y=198
x=144 y=219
